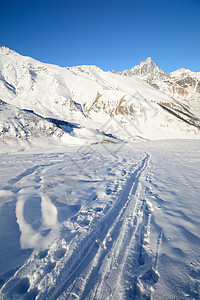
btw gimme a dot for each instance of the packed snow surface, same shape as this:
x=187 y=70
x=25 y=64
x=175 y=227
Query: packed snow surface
x=106 y=221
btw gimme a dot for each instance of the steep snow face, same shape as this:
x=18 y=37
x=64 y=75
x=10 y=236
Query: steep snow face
x=119 y=106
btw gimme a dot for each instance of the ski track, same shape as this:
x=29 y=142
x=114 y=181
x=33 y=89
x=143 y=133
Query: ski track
x=99 y=240
x=109 y=261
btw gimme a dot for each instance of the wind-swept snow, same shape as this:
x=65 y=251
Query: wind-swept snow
x=101 y=222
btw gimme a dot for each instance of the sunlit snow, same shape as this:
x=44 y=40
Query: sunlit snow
x=87 y=212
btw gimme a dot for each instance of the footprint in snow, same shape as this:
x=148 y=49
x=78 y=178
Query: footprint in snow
x=98 y=209
x=60 y=253
x=108 y=191
x=83 y=223
x=42 y=254
x=21 y=287
x=50 y=267
x=150 y=277
x=123 y=172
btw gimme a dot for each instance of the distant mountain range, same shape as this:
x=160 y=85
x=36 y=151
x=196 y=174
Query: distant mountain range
x=84 y=104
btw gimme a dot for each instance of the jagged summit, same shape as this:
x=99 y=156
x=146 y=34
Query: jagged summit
x=146 y=69
x=148 y=60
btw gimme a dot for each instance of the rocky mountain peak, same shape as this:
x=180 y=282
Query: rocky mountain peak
x=146 y=69
x=147 y=61
x=182 y=84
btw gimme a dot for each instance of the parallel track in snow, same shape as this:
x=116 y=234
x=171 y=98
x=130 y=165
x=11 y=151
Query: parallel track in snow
x=112 y=236
x=108 y=262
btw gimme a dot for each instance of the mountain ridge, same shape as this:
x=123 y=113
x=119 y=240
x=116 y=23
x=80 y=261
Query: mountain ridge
x=129 y=108
x=182 y=84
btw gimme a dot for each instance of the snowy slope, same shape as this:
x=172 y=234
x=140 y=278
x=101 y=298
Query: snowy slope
x=23 y=129
x=125 y=107
x=101 y=223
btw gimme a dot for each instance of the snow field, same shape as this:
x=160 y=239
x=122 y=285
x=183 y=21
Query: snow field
x=101 y=222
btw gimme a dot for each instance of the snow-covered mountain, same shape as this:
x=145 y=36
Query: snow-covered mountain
x=182 y=85
x=101 y=104
x=97 y=220
x=145 y=69
x=24 y=129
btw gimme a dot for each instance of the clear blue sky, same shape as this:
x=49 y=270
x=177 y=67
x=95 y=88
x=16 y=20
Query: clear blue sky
x=112 y=34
